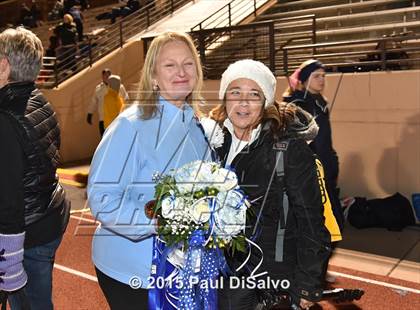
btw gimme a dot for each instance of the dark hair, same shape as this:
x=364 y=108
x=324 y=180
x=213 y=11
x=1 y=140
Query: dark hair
x=106 y=71
x=278 y=115
x=305 y=72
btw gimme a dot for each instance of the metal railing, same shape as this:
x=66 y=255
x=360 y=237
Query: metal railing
x=221 y=46
x=304 y=30
x=230 y=14
x=73 y=59
x=391 y=53
x=261 y=40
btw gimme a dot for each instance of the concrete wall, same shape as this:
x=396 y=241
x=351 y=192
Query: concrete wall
x=376 y=130
x=71 y=100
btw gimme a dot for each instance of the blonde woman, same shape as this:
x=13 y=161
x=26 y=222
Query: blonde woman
x=158 y=134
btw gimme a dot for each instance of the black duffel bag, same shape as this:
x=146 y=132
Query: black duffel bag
x=393 y=213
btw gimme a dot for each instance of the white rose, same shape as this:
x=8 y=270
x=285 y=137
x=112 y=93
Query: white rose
x=230 y=222
x=185 y=188
x=230 y=216
x=226 y=180
x=172 y=207
x=200 y=211
x=213 y=132
x=167 y=206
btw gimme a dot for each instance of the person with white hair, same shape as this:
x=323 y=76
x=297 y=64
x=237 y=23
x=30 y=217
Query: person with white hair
x=33 y=209
x=266 y=145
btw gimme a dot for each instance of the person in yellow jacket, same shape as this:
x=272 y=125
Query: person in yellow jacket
x=113 y=102
x=97 y=103
x=330 y=221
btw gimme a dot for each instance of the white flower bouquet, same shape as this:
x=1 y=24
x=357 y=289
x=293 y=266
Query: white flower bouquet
x=199 y=210
x=200 y=196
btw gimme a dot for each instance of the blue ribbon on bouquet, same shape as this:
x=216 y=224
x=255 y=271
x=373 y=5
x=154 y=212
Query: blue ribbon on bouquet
x=199 y=276
x=192 y=287
x=163 y=273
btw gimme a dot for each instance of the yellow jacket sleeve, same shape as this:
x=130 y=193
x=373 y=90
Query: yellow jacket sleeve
x=330 y=220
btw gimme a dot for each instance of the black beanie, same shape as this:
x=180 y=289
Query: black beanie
x=306 y=71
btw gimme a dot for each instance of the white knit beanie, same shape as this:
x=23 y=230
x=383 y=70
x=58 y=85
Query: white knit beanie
x=253 y=70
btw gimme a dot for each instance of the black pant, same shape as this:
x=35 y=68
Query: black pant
x=121 y=296
x=236 y=298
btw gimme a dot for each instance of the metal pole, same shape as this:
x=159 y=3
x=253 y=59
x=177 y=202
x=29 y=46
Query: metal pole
x=55 y=72
x=145 y=47
x=383 y=55
x=202 y=48
x=121 y=34
x=314 y=34
x=90 y=52
x=230 y=16
x=286 y=71
x=255 y=8
x=272 y=47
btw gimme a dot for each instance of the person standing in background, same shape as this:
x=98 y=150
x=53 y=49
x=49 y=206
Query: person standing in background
x=305 y=91
x=66 y=34
x=78 y=19
x=113 y=102
x=97 y=103
x=34 y=211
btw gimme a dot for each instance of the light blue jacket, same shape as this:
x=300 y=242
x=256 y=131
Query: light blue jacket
x=120 y=183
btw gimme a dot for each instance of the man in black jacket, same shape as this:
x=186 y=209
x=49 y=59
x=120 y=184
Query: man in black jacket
x=33 y=209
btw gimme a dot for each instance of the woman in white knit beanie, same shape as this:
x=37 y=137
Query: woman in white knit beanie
x=290 y=239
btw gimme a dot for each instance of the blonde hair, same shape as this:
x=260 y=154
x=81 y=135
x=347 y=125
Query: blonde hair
x=23 y=50
x=147 y=96
x=67 y=19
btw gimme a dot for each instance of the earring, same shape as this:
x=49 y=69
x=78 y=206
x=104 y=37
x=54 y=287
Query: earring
x=155 y=86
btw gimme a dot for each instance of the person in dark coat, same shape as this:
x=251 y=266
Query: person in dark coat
x=77 y=15
x=66 y=33
x=256 y=130
x=33 y=209
x=305 y=90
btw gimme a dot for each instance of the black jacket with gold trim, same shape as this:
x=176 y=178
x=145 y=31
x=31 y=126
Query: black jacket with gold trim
x=306 y=247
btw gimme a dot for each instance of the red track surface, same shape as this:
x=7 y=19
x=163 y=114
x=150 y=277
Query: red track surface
x=76 y=292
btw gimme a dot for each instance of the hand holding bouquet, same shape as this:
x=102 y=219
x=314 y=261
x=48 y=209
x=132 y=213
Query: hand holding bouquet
x=200 y=209
x=200 y=196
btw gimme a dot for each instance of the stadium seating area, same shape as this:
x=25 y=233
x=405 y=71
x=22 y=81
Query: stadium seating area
x=344 y=20
x=348 y=35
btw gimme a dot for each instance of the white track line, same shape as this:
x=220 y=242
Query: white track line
x=83 y=219
x=338 y=274
x=76 y=272
x=398 y=287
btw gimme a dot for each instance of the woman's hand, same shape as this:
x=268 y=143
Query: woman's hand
x=305 y=304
